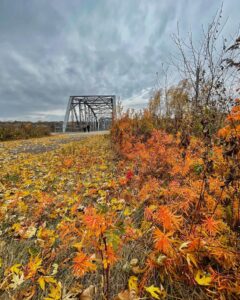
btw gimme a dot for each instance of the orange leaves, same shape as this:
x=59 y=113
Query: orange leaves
x=150 y=189
x=225 y=256
x=82 y=264
x=167 y=219
x=235 y=113
x=232 y=127
x=94 y=222
x=68 y=162
x=188 y=196
x=33 y=265
x=212 y=226
x=163 y=242
x=103 y=212
x=224 y=132
x=149 y=212
x=111 y=256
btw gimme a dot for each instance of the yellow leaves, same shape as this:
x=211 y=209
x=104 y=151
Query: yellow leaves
x=30 y=232
x=133 y=283
x=105 y=263
x=66 y=201
x=155 y=292
x=55 y=292
x=33 y=265
x=131 y=293
x=202 y=278
x=127 y=211
x=103 y=167
x=184 y=245
x=134 y=267
x=22 y=206
x=102 y=193
x=46 y=237
x=16 y=268
x=118 y=205
x=15 y=274
x=82 y=264
x=16 y=227
x=2 y=187
x=191 y=260
x=42 y=280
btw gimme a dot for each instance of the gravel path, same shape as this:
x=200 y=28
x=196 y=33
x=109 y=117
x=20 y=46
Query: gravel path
x=45 y=144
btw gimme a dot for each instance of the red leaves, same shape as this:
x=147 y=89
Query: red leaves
x=129 y=175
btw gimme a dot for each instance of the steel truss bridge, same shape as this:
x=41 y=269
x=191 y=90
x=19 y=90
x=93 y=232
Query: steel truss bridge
x=89 y=113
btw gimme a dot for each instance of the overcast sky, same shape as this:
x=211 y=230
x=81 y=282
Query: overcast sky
x=51 y=49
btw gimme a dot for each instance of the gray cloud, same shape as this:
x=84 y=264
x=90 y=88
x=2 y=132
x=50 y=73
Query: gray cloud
x=52 y=49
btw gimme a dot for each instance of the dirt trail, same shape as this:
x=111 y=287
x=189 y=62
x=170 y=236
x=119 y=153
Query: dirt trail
x=40 y=145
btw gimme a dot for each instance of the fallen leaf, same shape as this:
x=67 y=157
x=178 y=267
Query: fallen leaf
x=17 y=280
x=157 y=293
x=132 y=283
x=202 y=278
x=88 y=293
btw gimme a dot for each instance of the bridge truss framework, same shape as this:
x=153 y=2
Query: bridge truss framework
x=89 y=113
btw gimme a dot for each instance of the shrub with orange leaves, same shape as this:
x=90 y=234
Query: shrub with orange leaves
x=82 y=264
x=190 y=202
x=163 y=241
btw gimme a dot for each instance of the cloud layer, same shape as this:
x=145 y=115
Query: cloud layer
x=50 y=50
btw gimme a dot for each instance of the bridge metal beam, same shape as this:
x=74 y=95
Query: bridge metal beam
x=89 y=112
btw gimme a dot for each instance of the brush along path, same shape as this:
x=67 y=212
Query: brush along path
x=58 y=212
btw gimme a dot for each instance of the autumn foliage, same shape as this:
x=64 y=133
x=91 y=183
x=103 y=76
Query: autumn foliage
x=189 y=196
x=140 y=215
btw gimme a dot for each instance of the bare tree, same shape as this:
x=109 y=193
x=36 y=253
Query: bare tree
x=203 y=65
x=234 y=59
